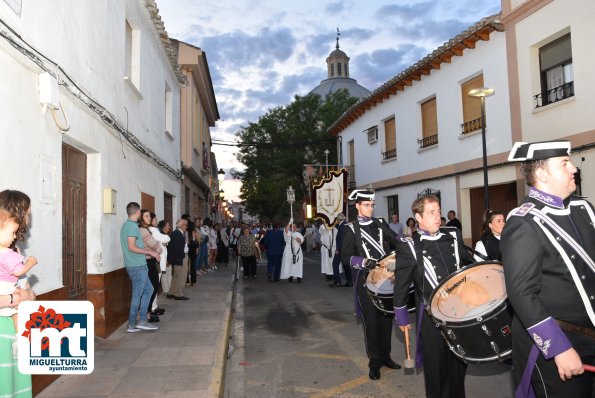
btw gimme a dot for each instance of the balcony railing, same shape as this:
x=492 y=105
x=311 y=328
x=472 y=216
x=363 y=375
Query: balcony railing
x=471 y=125
x=554 y=95
x=390 y=154
x=428 y=141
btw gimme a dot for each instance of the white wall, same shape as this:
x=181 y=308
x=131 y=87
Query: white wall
x=573 y=115
x=488 y=57
x=87 y=40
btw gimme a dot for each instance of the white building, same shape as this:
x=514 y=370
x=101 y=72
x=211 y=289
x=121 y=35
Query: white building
x=111 y=72
x=550 y=62
x=421 y=130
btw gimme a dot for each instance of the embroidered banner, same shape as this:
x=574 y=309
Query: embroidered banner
x=329 y=197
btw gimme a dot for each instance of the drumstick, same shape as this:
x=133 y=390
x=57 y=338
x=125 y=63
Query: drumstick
x=409 y=363
x=589 y=368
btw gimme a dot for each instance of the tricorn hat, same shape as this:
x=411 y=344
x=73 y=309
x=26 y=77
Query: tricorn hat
x=528 y=151
x=361 y=195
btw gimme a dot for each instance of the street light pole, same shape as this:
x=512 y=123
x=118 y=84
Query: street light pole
x=482 y=93
x=291 y=199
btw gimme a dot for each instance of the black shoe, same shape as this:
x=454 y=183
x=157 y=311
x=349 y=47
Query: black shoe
x=335 y=284
x=348 y=284
x=374 y=373
x=290 y=279
x=181 y=298
x=391 y=364
x=153 y=319
x=299 y=280
x=170 y=296
x=158 y=311
x=328 y=278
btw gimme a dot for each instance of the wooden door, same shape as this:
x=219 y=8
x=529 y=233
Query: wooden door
x=74 y=222
x=168 y=208
x=502 y=197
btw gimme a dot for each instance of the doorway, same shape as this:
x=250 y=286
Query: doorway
x=74 y=222
x=502 y=197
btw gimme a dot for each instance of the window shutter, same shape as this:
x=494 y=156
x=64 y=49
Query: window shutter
x=429 y=118
x=390 y=135
x=128 y=51
x=471 y=105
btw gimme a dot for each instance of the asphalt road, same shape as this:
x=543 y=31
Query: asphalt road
x=302 y=340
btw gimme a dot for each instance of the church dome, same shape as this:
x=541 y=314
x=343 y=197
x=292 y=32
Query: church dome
x=338 y=76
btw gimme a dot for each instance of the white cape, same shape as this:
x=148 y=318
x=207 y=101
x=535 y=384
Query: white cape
x=288 y=267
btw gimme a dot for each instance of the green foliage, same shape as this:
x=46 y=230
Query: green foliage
x=275 y=148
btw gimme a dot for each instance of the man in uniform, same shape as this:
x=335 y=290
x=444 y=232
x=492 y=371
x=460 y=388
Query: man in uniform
x=363 y=245
x=548 y=251
x=427 y=259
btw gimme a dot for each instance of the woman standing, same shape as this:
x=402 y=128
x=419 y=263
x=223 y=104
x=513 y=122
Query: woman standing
x=164 y=228
x=410 y=228
x=150 y=243
x=247 y=250
x=12 y=382
x=163 y=239
x=222 y=242
x=489 y=243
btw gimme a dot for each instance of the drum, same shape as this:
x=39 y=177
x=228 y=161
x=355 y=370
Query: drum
x=471 y=308
x=380 y=286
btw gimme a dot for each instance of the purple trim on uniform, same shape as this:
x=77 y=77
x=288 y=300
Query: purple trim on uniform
x=549 y=338
x=525 y=389
x=357 y=262
x=363 y=219
x=419 y=353
x=401 y=316
x=544 y=197
x=423 y=232
x=358 y=307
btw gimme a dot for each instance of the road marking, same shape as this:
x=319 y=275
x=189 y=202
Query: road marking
x=331 y=392
x=324 y=356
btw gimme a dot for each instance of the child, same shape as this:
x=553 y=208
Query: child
x=12 y=264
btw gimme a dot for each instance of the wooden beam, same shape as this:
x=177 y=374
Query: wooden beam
x=469 y=43
x=446 y=57
x=400 y=86
x=483 y=35
x=425 y=71
x=435 y=64
x=407 y=82
x=416 y=76
x=457 y=51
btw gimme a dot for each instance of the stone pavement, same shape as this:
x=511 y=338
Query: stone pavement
x=184 y=358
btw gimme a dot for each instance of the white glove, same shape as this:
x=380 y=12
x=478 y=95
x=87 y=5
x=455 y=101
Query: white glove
x=291 y=220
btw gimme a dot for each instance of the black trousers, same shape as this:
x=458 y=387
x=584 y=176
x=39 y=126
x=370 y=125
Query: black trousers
x=545 y=379
x=249 y=264
x=444 y=374
x=154 y=271
x=337 y=274
x=378 y=327
x=191 y=265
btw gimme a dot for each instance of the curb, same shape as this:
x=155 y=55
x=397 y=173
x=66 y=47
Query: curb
x=215 y=389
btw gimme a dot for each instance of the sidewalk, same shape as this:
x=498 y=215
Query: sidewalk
x=184 y=358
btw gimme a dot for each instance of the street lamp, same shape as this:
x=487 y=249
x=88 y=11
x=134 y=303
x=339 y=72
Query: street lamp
x=220 y=176
x=291 y=199
x=222 y=194
x=482 y=93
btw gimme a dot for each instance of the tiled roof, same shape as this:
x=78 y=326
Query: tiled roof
x=454 y=47
x=169 y=51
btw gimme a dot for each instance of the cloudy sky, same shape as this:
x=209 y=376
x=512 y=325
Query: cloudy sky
x=263 y=52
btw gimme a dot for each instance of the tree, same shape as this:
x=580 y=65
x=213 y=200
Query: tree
x=275 y=148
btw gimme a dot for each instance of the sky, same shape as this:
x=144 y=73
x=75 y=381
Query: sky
x=261 y=53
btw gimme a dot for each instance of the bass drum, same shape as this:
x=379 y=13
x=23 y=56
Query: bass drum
x=471 y=308
x=379 y=286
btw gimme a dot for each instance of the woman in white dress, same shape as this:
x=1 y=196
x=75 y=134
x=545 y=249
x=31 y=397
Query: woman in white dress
x=293 y=259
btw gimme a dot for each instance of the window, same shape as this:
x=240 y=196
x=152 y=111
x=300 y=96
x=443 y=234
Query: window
x=390 y=139
x=132 y=56
x=372 y=134
x=346 y=70
x=147 y=201
x=186 y=200
x=429 y=124
x=471 y=106
x=339 y=69
x=168 y=111
x=351 y=181
x=332 y=70
x=556 y=72
x=393 y=206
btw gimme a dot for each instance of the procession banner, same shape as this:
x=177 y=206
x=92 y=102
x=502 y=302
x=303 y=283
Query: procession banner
x=328 y=197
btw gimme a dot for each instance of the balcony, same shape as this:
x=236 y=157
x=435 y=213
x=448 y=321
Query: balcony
x=428 y=141
x=471 y=126
x=390 y=154
x=554 y=95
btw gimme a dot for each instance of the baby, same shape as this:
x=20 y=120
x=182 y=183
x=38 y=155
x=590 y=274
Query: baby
x=12 y=264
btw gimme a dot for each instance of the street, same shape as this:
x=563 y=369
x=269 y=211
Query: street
x=302 y=340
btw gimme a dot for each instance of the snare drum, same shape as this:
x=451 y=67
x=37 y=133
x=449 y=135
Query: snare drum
x=471 y=308
x=380 y=286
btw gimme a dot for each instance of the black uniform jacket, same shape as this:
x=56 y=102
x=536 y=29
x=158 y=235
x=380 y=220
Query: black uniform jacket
x=442 y=255
x=375 y=232
x=546 y=278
